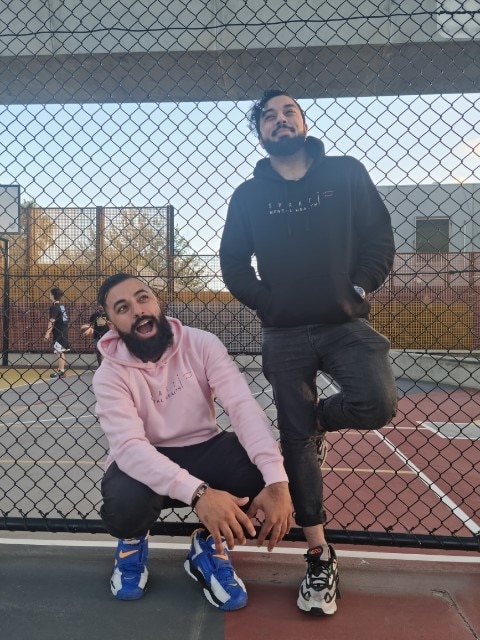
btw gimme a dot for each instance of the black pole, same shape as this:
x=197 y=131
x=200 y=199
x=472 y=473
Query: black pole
x=6 y=304
x=99 y=247
x=170 y=229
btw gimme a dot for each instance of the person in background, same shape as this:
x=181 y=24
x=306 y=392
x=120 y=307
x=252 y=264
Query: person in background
x=97 y=327
x=323 y=241
x=58 y=328
x=155 y=395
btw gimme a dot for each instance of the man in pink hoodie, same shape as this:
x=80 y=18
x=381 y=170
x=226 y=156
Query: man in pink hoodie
x=155 y=397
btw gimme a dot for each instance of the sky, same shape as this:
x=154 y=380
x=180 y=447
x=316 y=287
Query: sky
x=193 y=155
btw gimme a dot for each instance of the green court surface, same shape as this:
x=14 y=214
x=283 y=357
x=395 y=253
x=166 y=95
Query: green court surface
x=15 y=377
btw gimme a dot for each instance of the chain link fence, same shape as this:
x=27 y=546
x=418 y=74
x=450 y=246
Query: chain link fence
x=122 y=137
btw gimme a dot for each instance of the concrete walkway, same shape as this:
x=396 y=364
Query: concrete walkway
x=55 y=591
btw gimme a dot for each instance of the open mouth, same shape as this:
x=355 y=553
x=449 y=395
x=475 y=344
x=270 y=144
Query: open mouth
x=145 y=327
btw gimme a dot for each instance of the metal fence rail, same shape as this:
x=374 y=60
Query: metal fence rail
x=122 y=137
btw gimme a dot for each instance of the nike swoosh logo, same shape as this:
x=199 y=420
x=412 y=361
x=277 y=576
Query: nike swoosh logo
x=125 y=554
x=222 y=556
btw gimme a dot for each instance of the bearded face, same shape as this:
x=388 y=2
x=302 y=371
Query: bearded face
x=284 y=146
x=282 y=128
x=151 y=347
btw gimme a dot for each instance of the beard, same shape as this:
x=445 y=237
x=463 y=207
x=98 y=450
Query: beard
x=284 y=146
x=149 y=349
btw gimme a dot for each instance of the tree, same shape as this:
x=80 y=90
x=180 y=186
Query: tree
x=39 y=228
x=135 y=239
x=188 y=268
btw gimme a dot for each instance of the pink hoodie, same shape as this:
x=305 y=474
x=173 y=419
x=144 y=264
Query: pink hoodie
x=169 y=403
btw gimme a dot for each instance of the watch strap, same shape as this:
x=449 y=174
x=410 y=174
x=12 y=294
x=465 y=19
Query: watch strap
x=199 y=493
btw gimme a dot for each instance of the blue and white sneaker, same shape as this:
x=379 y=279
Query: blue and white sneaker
x=221 y=585
x=130 y=573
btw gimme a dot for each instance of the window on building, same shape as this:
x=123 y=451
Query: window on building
x=432 y=235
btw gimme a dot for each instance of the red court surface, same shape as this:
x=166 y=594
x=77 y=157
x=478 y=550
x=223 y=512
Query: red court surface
x=391 y=599
x=420 y=474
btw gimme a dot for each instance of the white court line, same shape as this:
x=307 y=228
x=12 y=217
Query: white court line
x=59 y=420
x=456 y=510
x=264 y=392
x=400 y=428
x=431 y=426
x=176 y=546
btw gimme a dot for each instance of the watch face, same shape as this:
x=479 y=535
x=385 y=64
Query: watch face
x=360 y=291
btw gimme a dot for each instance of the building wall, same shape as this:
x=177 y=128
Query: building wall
x=458 y=202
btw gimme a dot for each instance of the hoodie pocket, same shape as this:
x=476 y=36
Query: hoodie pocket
x=314 y=300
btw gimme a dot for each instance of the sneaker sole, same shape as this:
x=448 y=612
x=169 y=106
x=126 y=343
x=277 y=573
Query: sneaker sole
x=129 y=596
x=327 y=610
x=198 y=577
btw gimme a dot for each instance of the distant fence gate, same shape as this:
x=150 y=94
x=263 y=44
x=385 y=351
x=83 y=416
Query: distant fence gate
x=123 y=135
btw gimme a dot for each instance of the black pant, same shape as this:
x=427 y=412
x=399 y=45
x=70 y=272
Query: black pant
x=130 y=508
x=356 y=357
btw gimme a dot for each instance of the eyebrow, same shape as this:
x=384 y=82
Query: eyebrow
x=123 y=300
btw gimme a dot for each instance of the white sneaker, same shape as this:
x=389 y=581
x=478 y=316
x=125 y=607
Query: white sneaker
x=319 y=589
x=322 y=448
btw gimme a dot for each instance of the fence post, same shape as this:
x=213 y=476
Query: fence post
x=99 y=244
x=6 y=303
x=170 y=254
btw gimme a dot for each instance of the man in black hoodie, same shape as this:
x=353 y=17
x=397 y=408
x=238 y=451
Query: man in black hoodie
x=323 y=241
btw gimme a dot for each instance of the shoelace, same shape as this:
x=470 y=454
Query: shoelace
x=319 y=571
x=223 y=567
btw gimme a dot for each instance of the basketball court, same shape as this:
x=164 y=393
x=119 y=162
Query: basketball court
x=418 y=474
x=411 y=475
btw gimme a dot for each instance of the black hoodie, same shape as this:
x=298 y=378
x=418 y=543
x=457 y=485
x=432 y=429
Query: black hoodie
x=313 y=239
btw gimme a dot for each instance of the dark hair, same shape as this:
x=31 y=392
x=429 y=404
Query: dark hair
x=110 y=282
x=255 y=113
x=56 y=293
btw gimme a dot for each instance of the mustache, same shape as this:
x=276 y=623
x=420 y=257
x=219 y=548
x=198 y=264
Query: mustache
x=280 y=127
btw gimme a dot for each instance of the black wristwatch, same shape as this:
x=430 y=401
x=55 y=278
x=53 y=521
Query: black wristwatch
x=360 y=291
x=199 y=493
